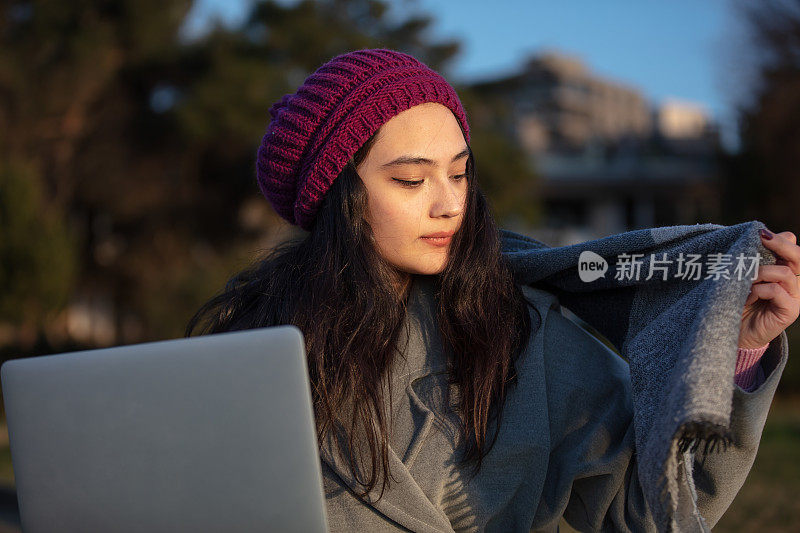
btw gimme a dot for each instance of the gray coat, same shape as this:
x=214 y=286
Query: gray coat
x=565 y=447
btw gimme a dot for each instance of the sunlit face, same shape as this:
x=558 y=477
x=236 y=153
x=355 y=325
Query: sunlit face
x=415 y=175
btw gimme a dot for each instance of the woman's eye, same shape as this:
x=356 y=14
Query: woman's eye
x=407 y=183
x=415 y=183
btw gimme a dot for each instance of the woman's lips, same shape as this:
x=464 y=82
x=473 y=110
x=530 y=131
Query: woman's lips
x=437 y=241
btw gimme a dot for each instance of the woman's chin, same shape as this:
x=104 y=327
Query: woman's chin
x=429 y=269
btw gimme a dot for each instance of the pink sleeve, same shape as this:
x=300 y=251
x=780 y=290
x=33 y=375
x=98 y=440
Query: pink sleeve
x=749 y=374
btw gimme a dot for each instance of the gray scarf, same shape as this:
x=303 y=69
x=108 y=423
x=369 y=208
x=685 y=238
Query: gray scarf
x=680 y=336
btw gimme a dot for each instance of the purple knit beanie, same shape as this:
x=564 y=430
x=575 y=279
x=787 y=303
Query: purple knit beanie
x=315 y=131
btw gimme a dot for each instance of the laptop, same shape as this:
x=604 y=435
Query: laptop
x=207 y=433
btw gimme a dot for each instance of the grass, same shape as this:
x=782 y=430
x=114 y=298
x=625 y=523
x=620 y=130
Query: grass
x=6 y=472
x=767 y=501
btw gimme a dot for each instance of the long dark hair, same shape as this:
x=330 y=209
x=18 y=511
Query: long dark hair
x=334 y=286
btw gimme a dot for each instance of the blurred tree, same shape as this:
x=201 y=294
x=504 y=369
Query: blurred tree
x=762 y=181
x=762 y=177
x=37 y=253
x=147 y=141
x=502 y=165
x=73 y=102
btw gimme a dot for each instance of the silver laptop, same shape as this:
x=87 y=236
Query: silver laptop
x=207 y=433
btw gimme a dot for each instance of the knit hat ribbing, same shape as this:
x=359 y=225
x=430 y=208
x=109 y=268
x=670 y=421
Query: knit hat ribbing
x=315 y=131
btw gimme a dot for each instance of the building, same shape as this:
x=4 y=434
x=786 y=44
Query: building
x=609 y=160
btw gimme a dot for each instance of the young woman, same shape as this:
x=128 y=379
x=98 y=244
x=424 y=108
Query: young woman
x=442 y=394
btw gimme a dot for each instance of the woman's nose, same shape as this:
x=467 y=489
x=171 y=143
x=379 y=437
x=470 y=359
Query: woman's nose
x=449 y=200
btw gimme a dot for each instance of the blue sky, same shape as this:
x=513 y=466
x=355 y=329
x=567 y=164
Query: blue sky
x=667 y=49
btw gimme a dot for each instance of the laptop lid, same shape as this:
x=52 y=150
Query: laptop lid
x=207 y=433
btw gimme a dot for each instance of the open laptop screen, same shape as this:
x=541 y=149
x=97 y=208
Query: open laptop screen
x=208 y=433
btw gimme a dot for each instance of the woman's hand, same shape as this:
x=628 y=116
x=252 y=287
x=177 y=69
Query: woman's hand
x=774 y=300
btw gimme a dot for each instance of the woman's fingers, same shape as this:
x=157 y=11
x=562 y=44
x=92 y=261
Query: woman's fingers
x=784 y=245
x=789 y=235
x=781 y=274
x=774 y=292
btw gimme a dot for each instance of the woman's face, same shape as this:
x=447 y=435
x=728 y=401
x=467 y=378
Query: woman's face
x=415 y=175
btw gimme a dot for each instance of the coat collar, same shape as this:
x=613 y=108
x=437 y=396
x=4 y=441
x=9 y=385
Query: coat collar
x=525 y=421
x=404 y=501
